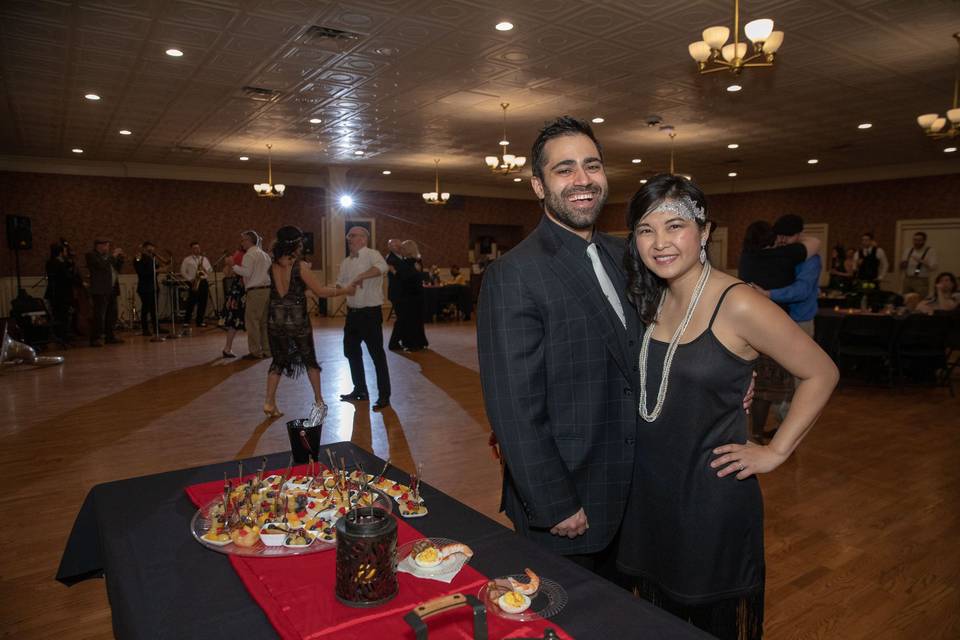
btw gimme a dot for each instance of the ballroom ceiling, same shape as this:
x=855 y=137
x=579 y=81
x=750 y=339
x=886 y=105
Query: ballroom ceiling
x=417 y=80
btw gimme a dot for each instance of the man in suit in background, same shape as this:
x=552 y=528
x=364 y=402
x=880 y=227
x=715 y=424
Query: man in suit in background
x=104 y=266
x=558 y=348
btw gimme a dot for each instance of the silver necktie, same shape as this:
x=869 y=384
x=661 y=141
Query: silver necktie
x=605 y=285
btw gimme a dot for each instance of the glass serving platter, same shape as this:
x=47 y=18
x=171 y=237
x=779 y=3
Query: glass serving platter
x=549 y=600
x=200 y=524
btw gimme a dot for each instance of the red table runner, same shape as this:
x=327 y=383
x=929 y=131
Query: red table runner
x=297 y=595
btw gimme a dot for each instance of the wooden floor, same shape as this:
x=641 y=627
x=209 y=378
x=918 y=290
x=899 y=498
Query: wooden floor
x=862 y=524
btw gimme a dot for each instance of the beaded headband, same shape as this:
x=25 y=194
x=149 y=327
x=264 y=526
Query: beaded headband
x=683 y=206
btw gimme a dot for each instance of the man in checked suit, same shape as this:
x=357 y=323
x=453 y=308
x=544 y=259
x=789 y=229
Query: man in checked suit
x=558 y=346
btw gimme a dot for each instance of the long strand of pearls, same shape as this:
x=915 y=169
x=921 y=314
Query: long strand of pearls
x=651 y=416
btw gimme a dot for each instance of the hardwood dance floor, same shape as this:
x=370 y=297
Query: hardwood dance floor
x=862 y=523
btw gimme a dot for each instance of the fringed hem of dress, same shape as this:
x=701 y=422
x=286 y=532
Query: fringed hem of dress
x=293 y=368
x=738 y=617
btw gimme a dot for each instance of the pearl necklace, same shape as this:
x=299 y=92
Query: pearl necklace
x=651 y=416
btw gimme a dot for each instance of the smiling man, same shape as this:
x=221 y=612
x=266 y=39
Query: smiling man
x=558 y=360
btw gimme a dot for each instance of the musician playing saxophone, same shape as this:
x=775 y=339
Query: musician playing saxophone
x=195 y=269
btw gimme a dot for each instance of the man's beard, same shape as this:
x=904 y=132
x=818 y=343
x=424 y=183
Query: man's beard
x=563 y=210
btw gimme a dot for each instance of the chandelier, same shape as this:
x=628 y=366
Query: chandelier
x=436 y=196
x=505 y=163
x=268 y=189
x=713 y=54
x=938 y=127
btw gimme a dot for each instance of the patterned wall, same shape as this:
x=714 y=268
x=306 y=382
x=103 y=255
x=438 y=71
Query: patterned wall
x=171 y=213
x=849 y=209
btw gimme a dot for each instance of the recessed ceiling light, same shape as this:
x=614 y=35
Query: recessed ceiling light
x=597 y=120
x=518 y=179
x=733 y=145
x=175 y=53
x=315 y=120
x=244 y=158
x=126 y=132
x=386 y=172
x=864 y=125
x=734 y=88
x=504 y=26
x=92 y=96
x=644 y=181
x=637 y=160
x=949 y=149
x=77 y=150
x=812 y=161
x=358 y=152
x=732 y=174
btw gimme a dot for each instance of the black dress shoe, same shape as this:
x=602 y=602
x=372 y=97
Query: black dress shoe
x=355 y=396
x=228 y=354
x=381 y=404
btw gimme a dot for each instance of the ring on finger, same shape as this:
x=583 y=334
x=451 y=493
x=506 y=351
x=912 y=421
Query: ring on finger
x=741 y=466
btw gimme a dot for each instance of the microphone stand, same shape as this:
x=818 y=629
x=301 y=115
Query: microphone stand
x=216 y=293
x=156 y=303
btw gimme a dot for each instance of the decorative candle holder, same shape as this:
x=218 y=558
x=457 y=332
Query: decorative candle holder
x=366 y=557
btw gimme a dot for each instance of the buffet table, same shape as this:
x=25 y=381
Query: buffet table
x=161 y=583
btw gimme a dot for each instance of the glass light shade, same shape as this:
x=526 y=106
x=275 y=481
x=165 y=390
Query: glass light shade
x=758 y=30
x=444 y=196
x=732 y=51
x=492 y=161
x=716 y=36
x=938 y=124
x=520 y=160
x=699 y=50
x=926 y=120
x=773 y=42
x=280 y=187
x=256 y=188
x=504 y=143
x=508 y=158
x=953 y=115
x=426 y=197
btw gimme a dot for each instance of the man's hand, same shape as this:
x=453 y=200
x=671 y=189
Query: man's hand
x=356 y=284
x=575 y=525
x=748 y=399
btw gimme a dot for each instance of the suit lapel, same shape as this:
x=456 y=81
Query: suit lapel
x=583 y=284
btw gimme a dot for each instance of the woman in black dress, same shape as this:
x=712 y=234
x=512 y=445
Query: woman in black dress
x=693 y=530
x=233 y=303
x=410 y=318
x=288 y=323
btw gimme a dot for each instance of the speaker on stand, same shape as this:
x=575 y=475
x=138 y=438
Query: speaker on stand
x=19 y=238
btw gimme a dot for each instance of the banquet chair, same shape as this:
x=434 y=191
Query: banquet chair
x=953 y=351
x=865 y=340
x=920 y=348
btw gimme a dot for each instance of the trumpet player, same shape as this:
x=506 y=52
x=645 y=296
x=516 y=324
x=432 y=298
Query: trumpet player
x=195 y=269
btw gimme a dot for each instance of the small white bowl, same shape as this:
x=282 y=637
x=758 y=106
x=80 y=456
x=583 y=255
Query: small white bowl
x=272 y=537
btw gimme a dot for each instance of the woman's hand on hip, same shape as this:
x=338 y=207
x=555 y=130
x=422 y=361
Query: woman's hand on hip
x=745 y=460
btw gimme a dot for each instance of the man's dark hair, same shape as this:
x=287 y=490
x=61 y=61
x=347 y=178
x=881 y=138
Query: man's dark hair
x=562 y=126
x=921 y=233
x=194 y=243
x=788 y=225
x=147 y=243
x=868 y=234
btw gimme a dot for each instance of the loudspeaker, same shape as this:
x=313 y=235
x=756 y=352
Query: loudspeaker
x=19 y=233
x=308 y=243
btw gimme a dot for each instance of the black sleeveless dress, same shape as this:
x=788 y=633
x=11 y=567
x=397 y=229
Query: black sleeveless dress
x=695 y=541
x=288 y=328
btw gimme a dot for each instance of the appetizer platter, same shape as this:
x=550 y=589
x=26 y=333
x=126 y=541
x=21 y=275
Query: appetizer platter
x=284 y=514
x=523 y=597
x=433 y=557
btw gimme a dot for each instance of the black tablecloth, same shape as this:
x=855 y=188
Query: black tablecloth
x=163 y=584
x=435 y=299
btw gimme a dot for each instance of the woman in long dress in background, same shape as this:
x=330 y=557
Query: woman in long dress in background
x=692 y=533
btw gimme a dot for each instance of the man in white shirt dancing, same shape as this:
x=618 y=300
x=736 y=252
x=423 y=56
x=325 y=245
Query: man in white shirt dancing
x=255 y=270
x=364 y=268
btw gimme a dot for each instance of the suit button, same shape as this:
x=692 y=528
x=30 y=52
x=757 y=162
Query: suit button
x=631 y=343
x=629 y=441
x=627 y=391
